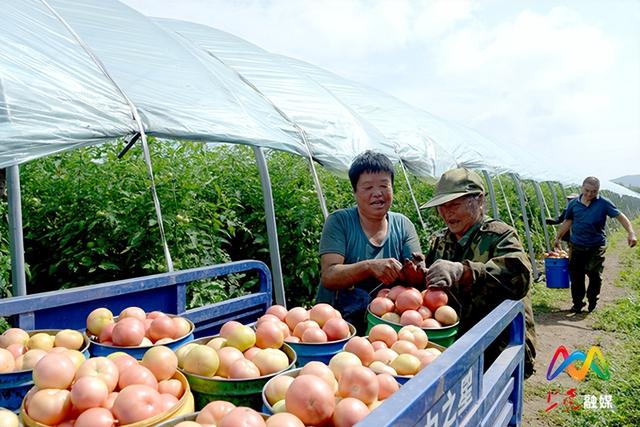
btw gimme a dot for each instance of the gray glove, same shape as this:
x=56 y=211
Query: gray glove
x=444 y=274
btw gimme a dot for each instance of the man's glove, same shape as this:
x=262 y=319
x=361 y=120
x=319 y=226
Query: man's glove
x=414 y=270
x=444 y=274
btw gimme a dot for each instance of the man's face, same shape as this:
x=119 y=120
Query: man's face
x=589 y=192
x=461 y=213
x=374 y=194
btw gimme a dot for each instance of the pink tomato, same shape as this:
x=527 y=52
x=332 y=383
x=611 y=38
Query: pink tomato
x=106 y=333
x=137 y=374
x=135 y=312
x=167 y=401
x=381 y=305
x=411 y=317
x=171 y=386
x=228 y=327
x=320 y=370
x=213 y=412
x=100 y=367
x=136 y=403
x=50 y=406
x=161 y=361
x=349 y=411
x=88 y=392
x=243 y=368
x=7 y=361
x=336 y=329
x=383 y=333
x=95 y=417
x=276 y=388
x=314 y=335
x=123 y=361
x=303 y=326
x=359 y=382
x=321 y=312
x=434 y=298
x=277 y=310
x=387 y=385
x=284 y=419
x=269 y=335
x=54 y=370
x=242 y=416
x=295 y=316
x=408 y=300
x=362 y=348
x=311 y=399
x=128 y=332
x=162 y=327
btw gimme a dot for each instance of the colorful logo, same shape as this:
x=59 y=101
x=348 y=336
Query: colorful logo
x=589 y=361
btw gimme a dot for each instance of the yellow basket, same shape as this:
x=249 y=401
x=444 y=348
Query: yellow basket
x=185 y=406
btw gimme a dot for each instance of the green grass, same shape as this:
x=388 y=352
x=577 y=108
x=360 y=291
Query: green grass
x=544 y=299
x=622 y=320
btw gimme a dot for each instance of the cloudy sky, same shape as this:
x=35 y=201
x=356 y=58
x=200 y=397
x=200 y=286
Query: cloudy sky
x=558 y=77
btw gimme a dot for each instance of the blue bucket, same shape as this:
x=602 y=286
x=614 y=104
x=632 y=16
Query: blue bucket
x=97 y=349
x=15 y=385
x=556 y=271
x=321 y=351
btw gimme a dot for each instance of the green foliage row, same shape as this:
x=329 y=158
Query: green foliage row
x=88 y=217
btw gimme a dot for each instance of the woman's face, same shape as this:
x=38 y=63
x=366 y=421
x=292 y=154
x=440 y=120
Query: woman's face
x=374 y=194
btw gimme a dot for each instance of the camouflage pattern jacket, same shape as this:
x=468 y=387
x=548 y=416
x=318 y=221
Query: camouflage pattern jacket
x=501 y=270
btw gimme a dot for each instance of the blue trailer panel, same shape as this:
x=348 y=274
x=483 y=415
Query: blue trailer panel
x=452 y=391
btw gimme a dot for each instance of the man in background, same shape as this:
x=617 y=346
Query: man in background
x=586 y=217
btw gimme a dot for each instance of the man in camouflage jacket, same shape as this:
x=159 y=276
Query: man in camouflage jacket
x=479 y=259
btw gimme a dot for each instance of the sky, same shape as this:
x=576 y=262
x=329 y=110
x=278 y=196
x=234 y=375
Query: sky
x=559 y=78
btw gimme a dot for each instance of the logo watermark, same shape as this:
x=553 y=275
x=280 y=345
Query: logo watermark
x=593 y=360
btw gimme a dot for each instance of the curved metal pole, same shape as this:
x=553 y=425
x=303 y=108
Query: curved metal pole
x=272 y=229
x=564 y=193
x=556 y=210
x=506 y=202
x=492 y=194
x=413 y=196
x=16 y=242
x=527 y=232
x=541 y=201
x=136 y=118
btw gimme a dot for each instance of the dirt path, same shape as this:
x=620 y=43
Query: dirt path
x=559 y=326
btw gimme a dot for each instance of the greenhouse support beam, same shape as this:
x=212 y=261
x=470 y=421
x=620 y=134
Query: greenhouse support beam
x=272 y=230
x=506 y=202
x=527 y=232
x=556 y=209
x=413 y=196
x=492 y=194
x=541 y=201
x=564 y=193
x=16 y=242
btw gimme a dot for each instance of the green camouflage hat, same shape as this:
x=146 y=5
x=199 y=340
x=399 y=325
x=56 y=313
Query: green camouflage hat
x=455 y=183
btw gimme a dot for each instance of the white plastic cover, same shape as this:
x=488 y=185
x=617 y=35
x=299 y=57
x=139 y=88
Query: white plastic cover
x=335 y=135
x=54 y=96
x=72 y=70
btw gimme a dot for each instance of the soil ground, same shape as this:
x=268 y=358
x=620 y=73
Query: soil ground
x=559 y=326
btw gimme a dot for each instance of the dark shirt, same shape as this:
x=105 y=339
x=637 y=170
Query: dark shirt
x=587 y=227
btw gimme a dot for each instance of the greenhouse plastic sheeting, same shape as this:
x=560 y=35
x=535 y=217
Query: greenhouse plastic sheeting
x=54 y=97
x=334 y=133
x=189 y=81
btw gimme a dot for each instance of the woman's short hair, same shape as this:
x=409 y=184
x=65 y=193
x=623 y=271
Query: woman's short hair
x=371 y=162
